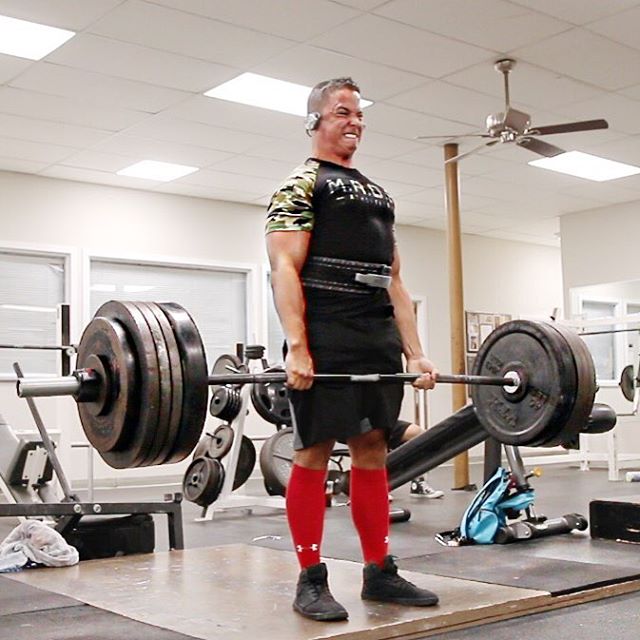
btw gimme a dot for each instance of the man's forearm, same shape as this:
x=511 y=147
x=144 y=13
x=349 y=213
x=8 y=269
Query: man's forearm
x=405 y=320
x=290 y=305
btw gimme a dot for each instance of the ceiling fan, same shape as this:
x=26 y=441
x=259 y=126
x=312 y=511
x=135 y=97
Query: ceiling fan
x=512 y=125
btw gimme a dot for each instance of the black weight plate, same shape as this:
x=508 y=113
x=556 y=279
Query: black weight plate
x=203 y=481
x=276 y=461
x=195 y=383
x=271 y=400
x=132 y=453
x=536 y=415
x=156 y=452
x=627 y=383
x=108 y=421
x=227 y=364
x=585 y=384
x=246 y=462
x=225 y=403
x=220 y=442
x=175 y=367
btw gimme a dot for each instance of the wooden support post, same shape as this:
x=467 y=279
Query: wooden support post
x=456 y=301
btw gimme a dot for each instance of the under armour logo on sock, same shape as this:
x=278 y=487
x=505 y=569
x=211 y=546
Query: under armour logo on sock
x=313 y=547
x=386 y=539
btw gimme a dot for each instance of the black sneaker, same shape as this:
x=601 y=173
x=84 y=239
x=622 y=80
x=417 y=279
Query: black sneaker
x=313 y=598
x=385 y=585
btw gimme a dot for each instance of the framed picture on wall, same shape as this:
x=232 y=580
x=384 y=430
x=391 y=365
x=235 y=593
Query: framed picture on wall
x=472 y=331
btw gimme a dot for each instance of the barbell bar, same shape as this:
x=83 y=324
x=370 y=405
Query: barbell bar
x=85 y=384
x=142 y=383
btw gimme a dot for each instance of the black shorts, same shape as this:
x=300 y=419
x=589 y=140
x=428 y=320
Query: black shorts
x=396 y=434
x=330 y=411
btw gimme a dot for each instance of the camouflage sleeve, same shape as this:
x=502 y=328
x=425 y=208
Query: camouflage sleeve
x=291 y=206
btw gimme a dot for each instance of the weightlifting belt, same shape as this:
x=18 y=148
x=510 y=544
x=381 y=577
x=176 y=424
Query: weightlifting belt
x=349 y=276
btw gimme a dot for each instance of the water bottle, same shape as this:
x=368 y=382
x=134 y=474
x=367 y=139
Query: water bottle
x=632 y=476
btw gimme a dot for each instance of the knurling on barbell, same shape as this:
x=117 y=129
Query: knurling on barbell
x=142 y=384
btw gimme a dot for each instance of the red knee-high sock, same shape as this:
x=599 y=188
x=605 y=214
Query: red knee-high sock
x=369 y=495
x=305 y=512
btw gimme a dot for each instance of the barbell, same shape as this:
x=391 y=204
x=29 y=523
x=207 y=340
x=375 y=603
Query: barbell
x=142 y=383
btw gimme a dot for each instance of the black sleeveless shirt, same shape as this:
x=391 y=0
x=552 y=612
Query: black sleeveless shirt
x=349 y=216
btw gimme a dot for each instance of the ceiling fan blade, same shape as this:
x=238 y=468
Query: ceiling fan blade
x=457 y=135
x=569 y=127
x=540 y=146
x=474 y=150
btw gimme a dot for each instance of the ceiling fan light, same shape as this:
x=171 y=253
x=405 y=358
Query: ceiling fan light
x=585 y=165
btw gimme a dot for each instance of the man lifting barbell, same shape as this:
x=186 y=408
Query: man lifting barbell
x=335 y=275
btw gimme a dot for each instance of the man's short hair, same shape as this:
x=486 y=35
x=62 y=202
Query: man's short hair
x=323 y=89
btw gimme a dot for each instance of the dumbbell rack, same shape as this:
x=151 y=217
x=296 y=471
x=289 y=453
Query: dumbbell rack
x=228 y=499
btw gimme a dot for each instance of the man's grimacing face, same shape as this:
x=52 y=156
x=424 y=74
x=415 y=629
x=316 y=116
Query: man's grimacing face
x=341 y=124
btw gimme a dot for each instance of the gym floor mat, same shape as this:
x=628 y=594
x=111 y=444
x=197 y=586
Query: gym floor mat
x=511 y=565
x=23 y=598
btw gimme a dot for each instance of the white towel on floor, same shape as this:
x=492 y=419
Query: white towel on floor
x=37 y=543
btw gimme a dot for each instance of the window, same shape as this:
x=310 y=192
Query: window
x=31 y=289
x=602 y=347
x=215 y=298
x=275 y=338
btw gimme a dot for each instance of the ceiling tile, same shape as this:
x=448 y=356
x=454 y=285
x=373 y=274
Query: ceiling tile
x=98 y=177
x=210 y=193
x=99 y=161
x=631 y=92
x=106 y=91
x=41 y=152
x=50 y=132
x=450 y=102
x=401 y=46
x=514 y=236
x=257 y=167
x=124 y=60
x=231 y=115
x=295 y=19
x=493 y=24
x=364 y=5
x=309 y=65
x=10 y=67
x=231 y=181
x=294 y=152
x=380 y=145
x=611 y=192
x=577 y=11
x=404 y=172
x=622 y=27
x=163 y=151
x=621 y=113
x=624 y=150
x=66 y=14
x=529 y=86
x=162 y=127
x=385 y=118
x=21 y=166
x=568 y=52
x=53 y=108
x=163 y=28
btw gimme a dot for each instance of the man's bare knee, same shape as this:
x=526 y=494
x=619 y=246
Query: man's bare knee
x=368 y=450
x=314 y=457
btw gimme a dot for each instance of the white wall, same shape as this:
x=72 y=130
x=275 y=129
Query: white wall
x=500 y=276
x=600 y=246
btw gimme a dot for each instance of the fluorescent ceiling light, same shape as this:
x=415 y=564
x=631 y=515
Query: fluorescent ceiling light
x=267 y=93
x=159 y=171
x=584 y=165
x=24 y=307
x=30 y=39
